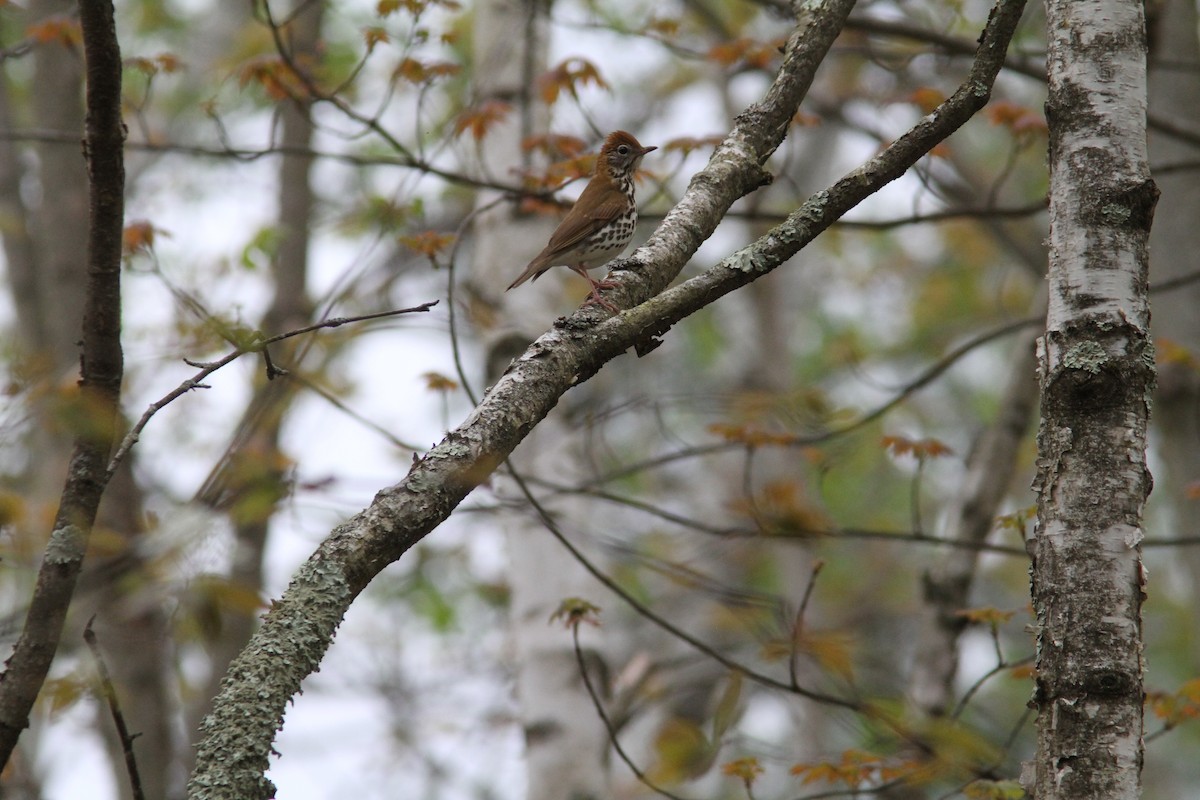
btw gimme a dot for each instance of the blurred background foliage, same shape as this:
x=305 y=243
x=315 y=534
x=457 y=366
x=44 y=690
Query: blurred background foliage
x=774 y=479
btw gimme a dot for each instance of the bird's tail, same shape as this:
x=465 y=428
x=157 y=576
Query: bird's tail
x=532 y=270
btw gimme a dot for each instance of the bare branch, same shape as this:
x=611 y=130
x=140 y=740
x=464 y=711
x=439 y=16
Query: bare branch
x=101 y=367
x=240 y=349
x=608 y=724
x=114 y=706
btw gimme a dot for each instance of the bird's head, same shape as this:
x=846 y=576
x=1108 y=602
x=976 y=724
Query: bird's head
x=621 y=154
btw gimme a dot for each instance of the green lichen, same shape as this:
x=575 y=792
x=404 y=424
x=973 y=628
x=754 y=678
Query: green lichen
x=743 y=261
x=1087 y=356
x=1115 y=213
x=66 y=545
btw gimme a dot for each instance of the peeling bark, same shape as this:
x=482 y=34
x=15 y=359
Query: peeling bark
x=1097 y=374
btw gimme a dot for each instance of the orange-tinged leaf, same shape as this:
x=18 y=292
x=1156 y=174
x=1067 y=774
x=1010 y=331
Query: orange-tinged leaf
x=138 y=237
x=568 y=169
x=427 y=243
x=927 y=98
x=1016 y=118
x=140 y=64
x=1175 y=708
x=1191 y=690
x=58 y=29
x=569 y=76
x=420 y=72
x=805 y=120
x=854 y=768
x=749 y=435
x=727 y=53
x=1022 y=672
x=275 y=77
x=374 y=35
x=163 y=62
x=665 y=26
x=437 y=382
x=689 y=144
x=918 y=448
x=168 y=62
x=386 y=8
x=482 y=118
x=536 y=205
x=831 y=650
x=747 y=52
x=554 y=145
x=747 y=769
x=780 y=508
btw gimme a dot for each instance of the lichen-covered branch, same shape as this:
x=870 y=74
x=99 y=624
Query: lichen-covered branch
x=236 y=737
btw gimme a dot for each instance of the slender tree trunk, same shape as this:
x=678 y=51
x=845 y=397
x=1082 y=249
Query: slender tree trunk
x=948 y=582
x=101 y=368
x=565 y=743
x=1175 y=97
x=1097 y=373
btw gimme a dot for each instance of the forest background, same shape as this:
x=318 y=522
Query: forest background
x=789 y=536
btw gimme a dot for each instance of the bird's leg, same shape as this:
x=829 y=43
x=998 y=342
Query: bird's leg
x=595 y=297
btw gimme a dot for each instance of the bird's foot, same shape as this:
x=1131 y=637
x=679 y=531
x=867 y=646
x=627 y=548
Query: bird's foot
x=595 y=298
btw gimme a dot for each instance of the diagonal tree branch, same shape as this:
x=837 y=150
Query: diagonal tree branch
x=236 y=741
x=101 y=367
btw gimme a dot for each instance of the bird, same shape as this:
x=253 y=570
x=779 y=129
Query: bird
x=600 y=224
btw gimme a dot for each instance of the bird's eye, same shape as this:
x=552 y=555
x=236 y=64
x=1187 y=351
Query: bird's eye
x=623 y=149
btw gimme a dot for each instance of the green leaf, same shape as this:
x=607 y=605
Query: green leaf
x=727 y=707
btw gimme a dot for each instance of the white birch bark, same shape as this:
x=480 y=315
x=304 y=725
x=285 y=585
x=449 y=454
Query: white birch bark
x=565 y=742
x=1097 y=374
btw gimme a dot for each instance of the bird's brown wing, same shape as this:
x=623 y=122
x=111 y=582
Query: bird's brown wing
x=599 y=204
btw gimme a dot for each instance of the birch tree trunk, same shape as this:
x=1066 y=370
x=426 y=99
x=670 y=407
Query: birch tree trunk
x=565 y=742
x=1097 y=374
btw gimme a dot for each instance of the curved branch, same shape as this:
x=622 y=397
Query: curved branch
x=236 y=738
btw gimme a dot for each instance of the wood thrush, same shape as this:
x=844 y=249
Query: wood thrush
x=600 y=224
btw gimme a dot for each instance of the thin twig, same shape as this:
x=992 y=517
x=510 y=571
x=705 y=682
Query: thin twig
x=207 y=368
x=796 y=535
x=608 y=725
x=109 y=691
x=798 y=624
x=668 y=626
